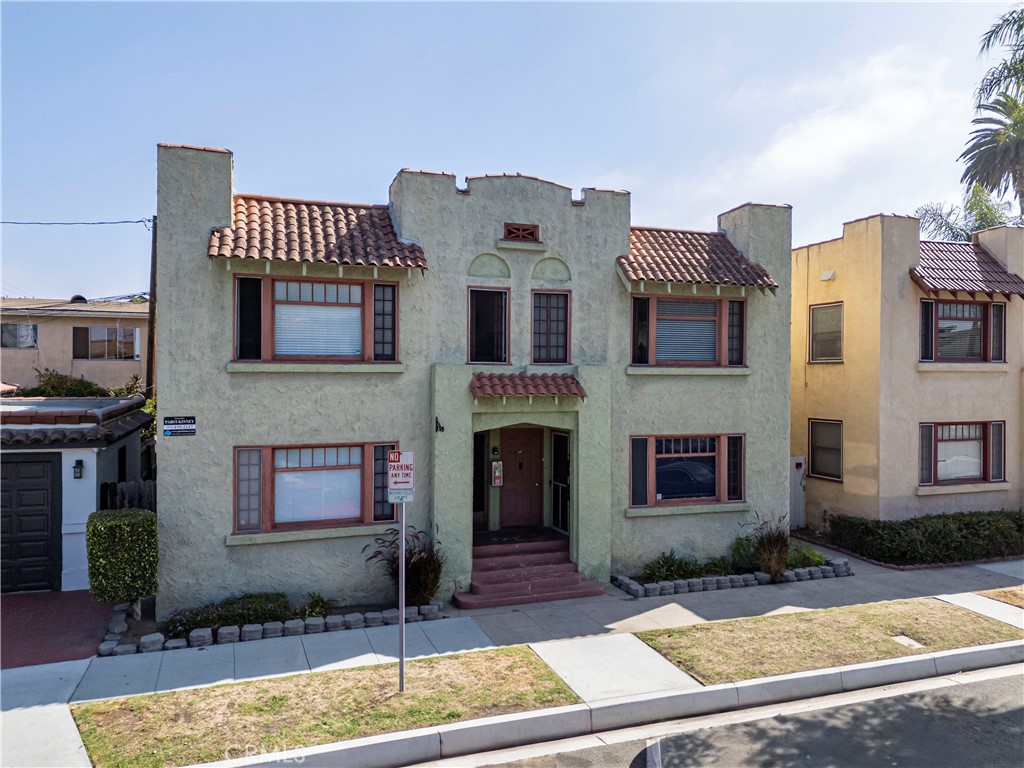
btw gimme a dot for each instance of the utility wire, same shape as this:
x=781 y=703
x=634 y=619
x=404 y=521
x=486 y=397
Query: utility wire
x=78 y=223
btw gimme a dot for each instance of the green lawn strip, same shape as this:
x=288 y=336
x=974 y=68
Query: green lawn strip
x=743 y=649
x=206 y=724
x=1009 y=595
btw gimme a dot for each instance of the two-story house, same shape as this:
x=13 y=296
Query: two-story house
x=906 y=376
x=102 y=341
x=559 y=375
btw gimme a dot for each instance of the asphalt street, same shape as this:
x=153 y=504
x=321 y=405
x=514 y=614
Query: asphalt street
x=976 y=724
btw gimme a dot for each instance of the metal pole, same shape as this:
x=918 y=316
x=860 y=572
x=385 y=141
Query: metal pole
x=401 y=598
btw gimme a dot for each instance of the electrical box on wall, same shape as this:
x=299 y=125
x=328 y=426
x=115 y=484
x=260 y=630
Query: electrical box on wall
x=496 y=473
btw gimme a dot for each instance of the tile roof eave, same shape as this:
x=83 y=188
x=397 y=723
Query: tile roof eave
x=763 y=287
x=934 y=289
x=332 y=262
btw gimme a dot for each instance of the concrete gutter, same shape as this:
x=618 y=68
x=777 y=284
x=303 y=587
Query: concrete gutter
x=521 y=728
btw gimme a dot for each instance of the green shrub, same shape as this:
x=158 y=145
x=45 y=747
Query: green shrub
x=424 y=563
x=669 y=567
x=952 y=538
x=769 y=543
x=743 y=555
x=318 y=605
x=180 y=623
x=803 y=556
x=255 y=608
x=121 y=548
x=716 y=566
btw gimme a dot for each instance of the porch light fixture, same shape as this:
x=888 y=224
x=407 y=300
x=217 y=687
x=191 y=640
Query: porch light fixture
x=78 y=469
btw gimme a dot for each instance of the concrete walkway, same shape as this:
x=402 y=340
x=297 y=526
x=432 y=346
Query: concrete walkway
x=587 y=642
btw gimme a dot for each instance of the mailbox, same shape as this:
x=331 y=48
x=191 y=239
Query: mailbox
x=496 y=473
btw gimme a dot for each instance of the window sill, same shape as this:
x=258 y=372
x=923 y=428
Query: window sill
x=520 y=245
x=688 y=509
x=657 y=370
x=245 y=539
x=963 y=367
x=255 y=367
x=942 y=490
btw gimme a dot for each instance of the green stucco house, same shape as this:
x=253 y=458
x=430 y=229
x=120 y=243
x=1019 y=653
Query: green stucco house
x=580 y=393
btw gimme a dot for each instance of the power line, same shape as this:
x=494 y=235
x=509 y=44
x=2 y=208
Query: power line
x=145 y=222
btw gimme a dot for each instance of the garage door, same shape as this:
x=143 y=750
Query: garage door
x=30 y=523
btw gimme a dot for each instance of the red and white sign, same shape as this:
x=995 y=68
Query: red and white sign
x=401 y=476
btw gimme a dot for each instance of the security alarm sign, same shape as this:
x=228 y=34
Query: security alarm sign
x=401 y=477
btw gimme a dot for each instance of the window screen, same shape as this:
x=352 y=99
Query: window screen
x=997 y=461
x=926 y=455
x=960 y=331
x=641 y=339
x=734 y=468
x=826 y=459
x=928 y=330
x=998 y=332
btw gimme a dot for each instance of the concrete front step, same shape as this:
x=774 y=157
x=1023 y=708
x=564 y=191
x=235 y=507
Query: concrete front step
x=470 y=600
x=525 y=586
x=511 y=562
x=520 y=548
x=520 y=572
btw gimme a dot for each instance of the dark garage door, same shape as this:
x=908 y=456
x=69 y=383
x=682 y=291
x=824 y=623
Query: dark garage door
x=30 y=522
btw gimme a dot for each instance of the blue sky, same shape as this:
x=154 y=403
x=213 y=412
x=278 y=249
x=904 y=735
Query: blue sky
x=841 y=110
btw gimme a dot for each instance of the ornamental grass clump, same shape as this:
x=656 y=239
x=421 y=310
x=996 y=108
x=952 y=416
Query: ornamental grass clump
x=769 y=543
x=424 y=563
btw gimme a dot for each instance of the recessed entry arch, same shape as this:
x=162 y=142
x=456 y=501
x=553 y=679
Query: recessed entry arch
x=489 y=265
x=552 y=268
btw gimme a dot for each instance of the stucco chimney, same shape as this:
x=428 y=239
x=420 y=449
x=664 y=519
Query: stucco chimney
x=1006 y=244
x=763 y=233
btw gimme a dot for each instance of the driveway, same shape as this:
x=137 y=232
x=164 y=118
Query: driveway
x=43 y=627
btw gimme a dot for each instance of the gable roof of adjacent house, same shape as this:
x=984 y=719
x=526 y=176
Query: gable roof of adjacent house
x=308 y=231
x=697 y=258
x=965 y=268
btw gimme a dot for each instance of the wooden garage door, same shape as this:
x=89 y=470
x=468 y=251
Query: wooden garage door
x=30 y=522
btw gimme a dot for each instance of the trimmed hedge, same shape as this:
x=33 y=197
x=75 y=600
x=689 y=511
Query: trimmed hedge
x=256 y=608
x=955 y=538
x=122 y=552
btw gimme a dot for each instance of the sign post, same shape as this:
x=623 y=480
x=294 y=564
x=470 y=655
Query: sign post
x=401 y=484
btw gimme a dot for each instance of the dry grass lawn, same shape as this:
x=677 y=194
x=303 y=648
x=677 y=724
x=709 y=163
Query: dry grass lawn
x=1011 y=595
x=206 y=724
x=728 y=651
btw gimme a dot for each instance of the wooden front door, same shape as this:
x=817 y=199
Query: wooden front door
x=522 y=493
x=30 y=517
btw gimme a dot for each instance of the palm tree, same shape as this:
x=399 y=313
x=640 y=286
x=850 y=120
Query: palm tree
x=995 y=152
x=1008 y=75
x=979 y=211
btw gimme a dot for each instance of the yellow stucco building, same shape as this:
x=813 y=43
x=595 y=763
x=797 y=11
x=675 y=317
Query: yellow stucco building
x=906 y=372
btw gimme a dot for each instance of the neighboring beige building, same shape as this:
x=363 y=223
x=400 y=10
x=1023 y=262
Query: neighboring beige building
x=102 y=341
x=580 y=394
x=907 y=371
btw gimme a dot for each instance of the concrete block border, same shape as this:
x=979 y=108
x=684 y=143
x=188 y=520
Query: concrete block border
x=833 y=568
x=518 y=729
x=112 y=646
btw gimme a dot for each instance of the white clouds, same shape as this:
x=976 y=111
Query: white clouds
x=879 y=133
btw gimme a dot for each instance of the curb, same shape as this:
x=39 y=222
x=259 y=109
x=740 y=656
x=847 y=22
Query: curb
x=522 y=728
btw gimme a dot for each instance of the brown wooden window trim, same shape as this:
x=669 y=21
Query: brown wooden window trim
x=521 y=233
x=721 y=319
x=366 y=304
x=268 y=473
x=987 y=336
x=810 y=334
x=721 y=454
x=986 y=452
x=568 y=327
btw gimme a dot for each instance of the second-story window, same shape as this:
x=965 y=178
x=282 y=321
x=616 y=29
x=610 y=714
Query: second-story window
x=698 y=332
x=826 y=342
x=291 y=319
x=963 y=331
x=488 y=325
x=550 y=327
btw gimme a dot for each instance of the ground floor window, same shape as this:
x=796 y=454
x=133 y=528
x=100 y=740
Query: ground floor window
x=825 y=455
x=311 y=486
x=670 y=469
x=970 y=452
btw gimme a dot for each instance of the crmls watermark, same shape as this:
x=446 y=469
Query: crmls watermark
x=236 y=751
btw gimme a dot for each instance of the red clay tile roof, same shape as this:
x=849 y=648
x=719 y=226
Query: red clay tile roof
x=83 y=435
x=965 y=267
x=525 y=384
x=313 y=232
x=700 y=258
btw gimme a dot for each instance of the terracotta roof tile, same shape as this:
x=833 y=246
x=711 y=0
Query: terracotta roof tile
x=525 y=384
x=700 y=258
x=965 y=267
x=313 y=232
x=85 y=434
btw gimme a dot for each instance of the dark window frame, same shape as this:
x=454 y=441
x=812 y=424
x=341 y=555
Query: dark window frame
x=993 y=331
x=534 y=294
x=643 y=331
x=810 y=450
x=470 y=291
x=368 y=317
x=810 y=334
x=368 y=479
x=724 y=444
x=987 y=436
x=17 y=336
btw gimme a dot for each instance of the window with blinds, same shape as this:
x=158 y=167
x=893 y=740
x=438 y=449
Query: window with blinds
x=699 y=332
x=681 y=469
x=961 y=331
x=826 y=336
x=826 y=449
x=962 y=453
x=315 y=320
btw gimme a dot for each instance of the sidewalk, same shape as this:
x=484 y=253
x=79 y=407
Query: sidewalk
x=586 y=641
